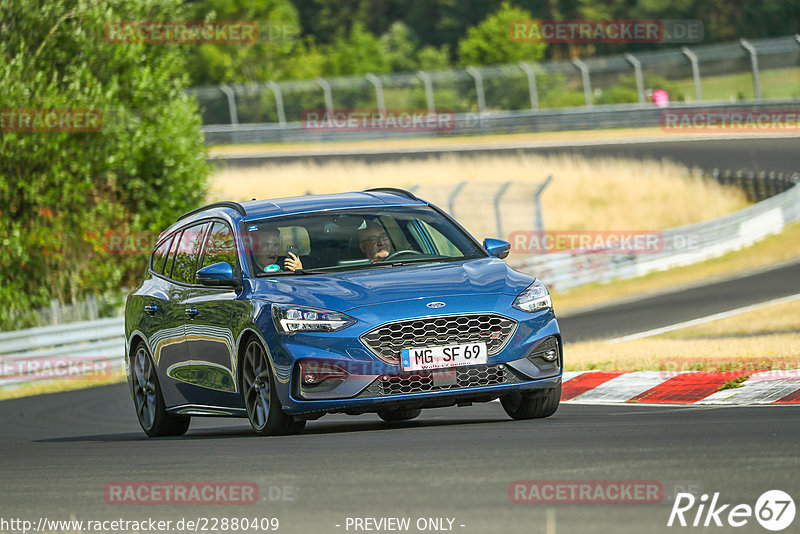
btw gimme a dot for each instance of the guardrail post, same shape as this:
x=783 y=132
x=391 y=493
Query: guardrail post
x=754 y=64
x=587 y=84
x=231 y=103
x=698 y=89
x=91 y=305
x=538 y=222
x=451 y=202
x=637 y=72
x=532 y=91
x=497 y=216
x=326 y=90
x=476 y=75
x=426 y=79
x=276 y=90
x=379 y=100
x=55 y=311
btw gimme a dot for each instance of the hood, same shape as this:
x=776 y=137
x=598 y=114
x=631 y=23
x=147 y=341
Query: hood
x=344 y=291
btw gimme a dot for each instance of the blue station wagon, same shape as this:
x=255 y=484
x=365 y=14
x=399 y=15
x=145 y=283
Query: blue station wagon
x=285 y=310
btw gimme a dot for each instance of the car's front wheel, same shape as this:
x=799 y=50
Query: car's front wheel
x=260 y=396
x=531 y=405
x=149 y=401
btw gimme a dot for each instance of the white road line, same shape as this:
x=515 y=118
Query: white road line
x=708 y=318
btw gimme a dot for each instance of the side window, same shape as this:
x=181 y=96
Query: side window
x=159 y=257
x=171 y=258
x=443 y=246
x=219 y=246
x=187 y=253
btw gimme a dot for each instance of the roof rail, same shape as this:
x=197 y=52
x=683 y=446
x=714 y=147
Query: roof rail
x=395 y=190
x=224 y=204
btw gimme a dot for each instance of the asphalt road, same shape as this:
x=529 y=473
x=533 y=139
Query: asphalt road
x=771 y=154
x=59 y=452
x=681 y=305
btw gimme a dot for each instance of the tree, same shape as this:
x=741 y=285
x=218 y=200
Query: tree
x=62 y=193
x=489 y=43
x=280 y=53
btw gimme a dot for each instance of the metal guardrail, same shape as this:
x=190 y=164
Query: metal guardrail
x=56 y=352
x=499 y=122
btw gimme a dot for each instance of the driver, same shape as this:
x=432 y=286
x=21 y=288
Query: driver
x=267 y=248
x=374 y=242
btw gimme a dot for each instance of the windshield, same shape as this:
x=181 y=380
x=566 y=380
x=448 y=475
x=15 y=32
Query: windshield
x=354 y=239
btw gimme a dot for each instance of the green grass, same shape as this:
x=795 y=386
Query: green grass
x=775 y=83
x=735 y=383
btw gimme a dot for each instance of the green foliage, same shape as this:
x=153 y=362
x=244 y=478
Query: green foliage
x=359 y=52
x=489 y=43
x=63 y=193
x=280 y=52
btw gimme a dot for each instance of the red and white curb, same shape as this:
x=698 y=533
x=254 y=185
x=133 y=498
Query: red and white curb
x=681 y=387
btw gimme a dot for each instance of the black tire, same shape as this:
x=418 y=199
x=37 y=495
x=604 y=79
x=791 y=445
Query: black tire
x=399 y=415
x=149 y=401
x=260 y=396
x=528 y=405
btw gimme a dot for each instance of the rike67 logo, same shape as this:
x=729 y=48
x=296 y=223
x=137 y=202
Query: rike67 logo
x=774 y=510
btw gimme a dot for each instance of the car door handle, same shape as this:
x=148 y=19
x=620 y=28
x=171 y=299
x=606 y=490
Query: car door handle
x=151 y=309
x=191 y=312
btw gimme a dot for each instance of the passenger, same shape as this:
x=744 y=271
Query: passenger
x=266 y=252
x=374 y=242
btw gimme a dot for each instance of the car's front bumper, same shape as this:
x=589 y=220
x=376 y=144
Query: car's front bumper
x=370 y=382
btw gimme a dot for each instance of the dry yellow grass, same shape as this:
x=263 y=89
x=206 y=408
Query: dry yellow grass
x=597 y=194
x=780 y=351
x=775 y=319
x=767 y=338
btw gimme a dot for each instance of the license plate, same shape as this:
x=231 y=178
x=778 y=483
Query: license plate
x=421 y=358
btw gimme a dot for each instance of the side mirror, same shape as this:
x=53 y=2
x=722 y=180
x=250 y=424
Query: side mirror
x=497 y=247
x=218 y=275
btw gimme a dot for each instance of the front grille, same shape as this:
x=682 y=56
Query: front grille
x=388 y=340
x=421 y=381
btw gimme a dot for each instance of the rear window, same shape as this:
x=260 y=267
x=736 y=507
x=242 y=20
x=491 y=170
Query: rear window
x=159 y=258
x=219 y=246
x=187 y=253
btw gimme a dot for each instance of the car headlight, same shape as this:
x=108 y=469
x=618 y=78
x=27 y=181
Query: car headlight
x=290 y=319
x=535 y=298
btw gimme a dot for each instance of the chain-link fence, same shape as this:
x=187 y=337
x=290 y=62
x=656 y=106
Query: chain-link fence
x=744 y=71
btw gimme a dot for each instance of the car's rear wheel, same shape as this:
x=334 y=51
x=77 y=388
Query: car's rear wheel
x=149 y=401
x=399 y=415
x=531 y=405
x=260 y=396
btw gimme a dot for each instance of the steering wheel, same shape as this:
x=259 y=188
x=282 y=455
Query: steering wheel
x=396 y=253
